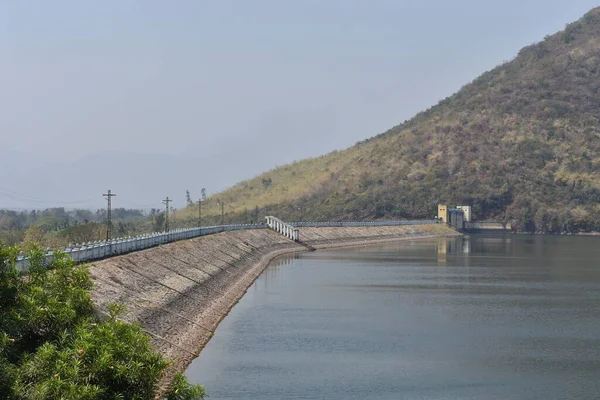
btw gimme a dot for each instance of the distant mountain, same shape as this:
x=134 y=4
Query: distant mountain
x=142 y=180
x=520 y=143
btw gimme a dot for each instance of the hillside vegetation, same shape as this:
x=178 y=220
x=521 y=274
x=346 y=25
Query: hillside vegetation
x=521 y=143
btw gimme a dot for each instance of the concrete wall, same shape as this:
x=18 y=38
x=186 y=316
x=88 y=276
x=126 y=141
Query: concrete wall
x=363 y=223
x=323 y=237
x=487 y=226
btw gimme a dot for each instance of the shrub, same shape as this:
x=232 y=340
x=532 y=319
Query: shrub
x=53 y=346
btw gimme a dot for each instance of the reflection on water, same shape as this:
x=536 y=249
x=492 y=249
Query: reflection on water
x=475 y=317
x=447 y=246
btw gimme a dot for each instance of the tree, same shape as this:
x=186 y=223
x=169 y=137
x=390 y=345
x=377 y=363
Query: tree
x=121 y=228
x=83 y=233
x=84 y=216
x=256 y=212
x=188 y=198
x=53 y=346
x=7 y=222
x=11 y=237
x=203 y=194
x=51 y=223
x=34 y=236
x=159 y=222
x=267 y=182
x=33 y=216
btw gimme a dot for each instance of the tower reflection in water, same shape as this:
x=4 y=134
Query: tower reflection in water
x=452 y=246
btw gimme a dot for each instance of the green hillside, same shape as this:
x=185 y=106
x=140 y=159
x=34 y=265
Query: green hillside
x=520 y=143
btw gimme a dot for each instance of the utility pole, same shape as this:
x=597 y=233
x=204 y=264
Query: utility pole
x=166 y=203
x=108 y=197
x=222 y=212
x=200 y=212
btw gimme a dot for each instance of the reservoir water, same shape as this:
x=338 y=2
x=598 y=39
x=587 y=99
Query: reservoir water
x=476 y=317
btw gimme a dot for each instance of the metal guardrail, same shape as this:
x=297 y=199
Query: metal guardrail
x=364 y=223
x=102 y=249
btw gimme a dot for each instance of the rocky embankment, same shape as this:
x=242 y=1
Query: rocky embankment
x=179 y=292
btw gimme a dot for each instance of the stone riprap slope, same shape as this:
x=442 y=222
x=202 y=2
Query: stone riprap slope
x=324 y=237
x=179 y=292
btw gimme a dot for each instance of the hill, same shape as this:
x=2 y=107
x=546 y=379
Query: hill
x=520 y=143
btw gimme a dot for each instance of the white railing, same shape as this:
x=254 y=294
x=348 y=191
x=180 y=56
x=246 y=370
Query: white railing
x=287 y=230
x=102 y=249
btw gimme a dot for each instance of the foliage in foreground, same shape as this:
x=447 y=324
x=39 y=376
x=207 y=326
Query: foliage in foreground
x=52 y=346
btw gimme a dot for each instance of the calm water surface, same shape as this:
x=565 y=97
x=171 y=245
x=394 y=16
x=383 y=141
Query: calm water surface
x=480 y=317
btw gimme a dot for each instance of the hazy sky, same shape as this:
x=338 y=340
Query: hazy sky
x=302 y=77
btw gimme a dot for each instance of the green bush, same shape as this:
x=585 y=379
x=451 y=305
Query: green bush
x=182 y=390
x=53 y=346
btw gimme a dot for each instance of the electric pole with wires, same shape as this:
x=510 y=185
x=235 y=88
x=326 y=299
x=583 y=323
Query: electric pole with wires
x=200 y=212
x=166 y=203
x=222 y=212
x=108 y=197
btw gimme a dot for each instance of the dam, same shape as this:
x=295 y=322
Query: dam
x=179 y=292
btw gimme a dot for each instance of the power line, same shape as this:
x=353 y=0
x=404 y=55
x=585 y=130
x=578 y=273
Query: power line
x=140 y=205
x=23 y=197
x=34 y=198
x=166 y=203
x=222 y=212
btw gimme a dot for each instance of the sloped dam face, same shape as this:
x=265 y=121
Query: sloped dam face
x=179 y=292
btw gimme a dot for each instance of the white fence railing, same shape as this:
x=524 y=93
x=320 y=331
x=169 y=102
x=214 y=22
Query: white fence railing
x=98 y=250
x=287 y=230
x=103 y=249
